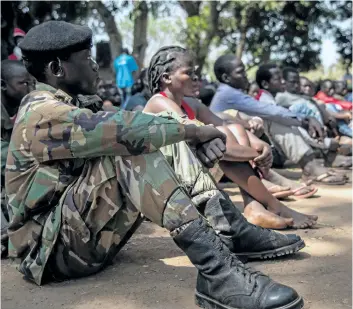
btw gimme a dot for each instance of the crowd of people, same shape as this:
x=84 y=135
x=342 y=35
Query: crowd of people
x=84 y=162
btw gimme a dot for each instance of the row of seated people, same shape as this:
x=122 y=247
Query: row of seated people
x=77 y=178
x=296 y=95
x=272 y=127
x=266 y=211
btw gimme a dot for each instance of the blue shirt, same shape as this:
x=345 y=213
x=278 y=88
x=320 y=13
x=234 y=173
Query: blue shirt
x=227 y=97
x=138 y=99
x=124 y=65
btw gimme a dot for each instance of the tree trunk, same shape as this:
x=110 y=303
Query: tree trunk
x=241 y=44
x=243 y=29
x=115 y=38
x=193 y=9
x=266 y=56
x=140 y=32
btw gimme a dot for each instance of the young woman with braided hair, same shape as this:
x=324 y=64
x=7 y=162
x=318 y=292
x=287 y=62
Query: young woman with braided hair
x=171 y=77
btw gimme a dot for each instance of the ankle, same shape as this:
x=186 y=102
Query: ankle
x=307 y=161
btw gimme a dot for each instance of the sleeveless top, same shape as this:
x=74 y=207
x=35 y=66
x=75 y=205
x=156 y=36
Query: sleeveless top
x=186 y=107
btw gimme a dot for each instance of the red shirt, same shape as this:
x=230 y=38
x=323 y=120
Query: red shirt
x=12 y=57
x=346 y=105
x=258 y=96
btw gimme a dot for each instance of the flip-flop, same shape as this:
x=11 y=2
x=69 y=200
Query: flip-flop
x=282 y=194
x=319 y=179
x=340 y=172
x=279 y=195
x=303 y=196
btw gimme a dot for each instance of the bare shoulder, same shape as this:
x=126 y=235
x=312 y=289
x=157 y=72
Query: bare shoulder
x=159 y=103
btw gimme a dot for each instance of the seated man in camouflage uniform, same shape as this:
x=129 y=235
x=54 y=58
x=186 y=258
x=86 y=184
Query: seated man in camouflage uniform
x=16 y=82
x=77 y=182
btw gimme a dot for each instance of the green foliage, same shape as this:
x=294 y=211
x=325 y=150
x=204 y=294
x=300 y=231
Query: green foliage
x=343 y=37
x=30 y=13
x=289 y=32
x=196 y=29
x=334 y=72
x=286 y=31
x=277 y=30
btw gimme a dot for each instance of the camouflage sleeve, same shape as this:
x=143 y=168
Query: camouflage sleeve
x=60 y=131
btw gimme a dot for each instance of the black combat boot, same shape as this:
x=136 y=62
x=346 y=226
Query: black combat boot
x=246 y=240
x=223 y=281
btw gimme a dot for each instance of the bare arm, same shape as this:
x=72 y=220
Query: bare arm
x=234 y=152
x=343 y=115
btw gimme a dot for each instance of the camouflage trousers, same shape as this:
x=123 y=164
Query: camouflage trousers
x=103 y=208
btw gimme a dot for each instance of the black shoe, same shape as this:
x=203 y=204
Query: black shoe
x=246 y=240
x=226 y=283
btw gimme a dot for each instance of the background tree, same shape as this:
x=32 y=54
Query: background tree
x=260 y=31
x=202 y=26
x=286 y=31
x=343 y=37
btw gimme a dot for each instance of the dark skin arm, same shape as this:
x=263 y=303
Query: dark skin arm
x=249 y=123
x=328 y=117
x=234 y=152
x=204 y=115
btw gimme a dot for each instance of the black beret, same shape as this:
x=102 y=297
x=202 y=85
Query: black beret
x=58 y=36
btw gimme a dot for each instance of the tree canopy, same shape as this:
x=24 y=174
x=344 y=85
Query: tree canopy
x=289 y=32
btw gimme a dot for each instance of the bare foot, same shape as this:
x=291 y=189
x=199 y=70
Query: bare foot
x=256 y=214
x=301 y=221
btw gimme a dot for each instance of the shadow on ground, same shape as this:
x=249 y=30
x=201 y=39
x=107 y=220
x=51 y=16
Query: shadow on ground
x=152 y=272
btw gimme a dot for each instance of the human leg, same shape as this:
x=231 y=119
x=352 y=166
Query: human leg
x=242 y=174
x=104 y=204
x=219 y=210
x=300 y=190
x=250 y=182
x=298 y=151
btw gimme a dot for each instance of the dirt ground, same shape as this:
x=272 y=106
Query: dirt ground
x=151 y=272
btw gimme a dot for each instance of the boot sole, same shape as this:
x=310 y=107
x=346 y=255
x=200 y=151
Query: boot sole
x=273 y=253
x=206 y=302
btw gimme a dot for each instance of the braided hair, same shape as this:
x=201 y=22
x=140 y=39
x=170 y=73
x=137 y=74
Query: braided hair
x=163 y=61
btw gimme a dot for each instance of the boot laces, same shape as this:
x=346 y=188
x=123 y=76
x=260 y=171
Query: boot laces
x=248 y=272
x=239 y=267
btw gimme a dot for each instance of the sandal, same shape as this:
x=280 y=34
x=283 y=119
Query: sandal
x=272 y=187
x=328 y=178
x=282 y=194
x=306 y=195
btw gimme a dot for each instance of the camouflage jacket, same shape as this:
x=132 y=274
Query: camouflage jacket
x=51 y=140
